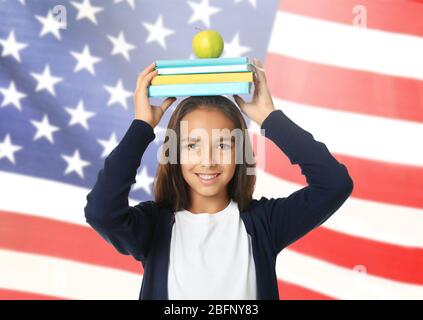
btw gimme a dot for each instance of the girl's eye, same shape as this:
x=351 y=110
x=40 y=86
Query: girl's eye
x=226 y=146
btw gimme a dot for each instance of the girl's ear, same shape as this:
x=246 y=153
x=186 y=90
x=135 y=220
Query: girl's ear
x=167 y=103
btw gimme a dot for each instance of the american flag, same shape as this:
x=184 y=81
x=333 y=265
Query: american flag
x=349 y=72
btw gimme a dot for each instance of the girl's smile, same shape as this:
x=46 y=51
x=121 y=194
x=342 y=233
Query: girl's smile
x=208 y=179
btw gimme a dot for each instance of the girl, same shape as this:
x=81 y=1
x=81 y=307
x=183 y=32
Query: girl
x=204 y=236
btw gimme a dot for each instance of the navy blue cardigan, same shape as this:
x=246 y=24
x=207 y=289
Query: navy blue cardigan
x=144 y=230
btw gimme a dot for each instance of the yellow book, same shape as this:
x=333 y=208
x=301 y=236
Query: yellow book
x=203 y=78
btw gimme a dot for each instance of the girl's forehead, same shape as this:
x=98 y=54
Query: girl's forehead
x=207 y=123
x=210 y=116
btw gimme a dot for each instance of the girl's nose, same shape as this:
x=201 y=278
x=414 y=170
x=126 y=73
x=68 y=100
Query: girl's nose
x=209 y=157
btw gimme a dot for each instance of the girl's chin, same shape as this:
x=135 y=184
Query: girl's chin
x=204 y=188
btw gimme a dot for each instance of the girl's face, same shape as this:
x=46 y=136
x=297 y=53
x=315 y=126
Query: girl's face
x=208 y=152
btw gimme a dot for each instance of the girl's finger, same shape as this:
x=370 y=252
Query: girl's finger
x=256 y=78
x=257 y=84
x=147 y=80
x=261 y=76
x=147 y=70
x=142 y=89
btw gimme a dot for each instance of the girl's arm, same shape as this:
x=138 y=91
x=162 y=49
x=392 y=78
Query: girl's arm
x=129 y=229
x=329 y=183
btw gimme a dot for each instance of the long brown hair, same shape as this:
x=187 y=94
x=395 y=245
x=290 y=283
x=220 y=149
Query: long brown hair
x=170 y=188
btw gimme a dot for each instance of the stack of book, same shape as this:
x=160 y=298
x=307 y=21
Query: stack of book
x=197 y=77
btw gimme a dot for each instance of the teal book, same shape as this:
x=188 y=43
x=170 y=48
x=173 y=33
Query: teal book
x=199 y=89
x=178 y=63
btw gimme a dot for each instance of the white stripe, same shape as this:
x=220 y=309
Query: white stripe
x=44 y=198
x=401 y=225
x=396 y=225
x=338 y=282
x=338 y=44
x=73 y=280
x=358 y=135
x=66 y=279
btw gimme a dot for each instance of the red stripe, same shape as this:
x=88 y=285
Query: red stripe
x=344 y=89
x=392 y=16
x=290 y=291
x=6 y=294
x=385 y=182
x=390 y=261
x=48 y=237
x=373 y=180
x=53 y=238
x=287 y=291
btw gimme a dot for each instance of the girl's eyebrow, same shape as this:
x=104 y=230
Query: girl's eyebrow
x=190 y=138
x=232 y=138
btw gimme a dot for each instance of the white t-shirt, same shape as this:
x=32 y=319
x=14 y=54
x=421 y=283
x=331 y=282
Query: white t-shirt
x=211 y=257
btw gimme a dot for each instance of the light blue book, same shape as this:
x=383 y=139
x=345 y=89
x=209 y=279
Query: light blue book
x=199 y=89
x=177 y=63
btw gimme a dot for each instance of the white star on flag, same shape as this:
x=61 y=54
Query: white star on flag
x=86 y=10
x=12 y=96
x=85 y=60
x=121 y=46
x=118 y=94
x=202 y=12
x=157 y=32
x=44 y=129
x=50 y=25
x=8 y=149
x=253 y=2
x=46 y=81
x=108 y=145
x=234 y=48
x=131 y=3
x=143 y=181
x=79 y=115
x=11 y=47
x=75 y=163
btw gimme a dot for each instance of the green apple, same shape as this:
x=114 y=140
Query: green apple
x=208 y=44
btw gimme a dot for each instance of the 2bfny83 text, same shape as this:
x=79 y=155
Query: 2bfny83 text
x=211 y=311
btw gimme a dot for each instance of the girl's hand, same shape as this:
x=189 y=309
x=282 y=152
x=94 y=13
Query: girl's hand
x=262 y=104
x=143 y=109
